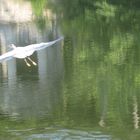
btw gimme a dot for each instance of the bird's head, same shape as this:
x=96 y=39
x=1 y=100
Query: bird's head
x=13 y=46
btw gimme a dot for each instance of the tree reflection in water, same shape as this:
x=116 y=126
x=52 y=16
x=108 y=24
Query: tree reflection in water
x=94 y=78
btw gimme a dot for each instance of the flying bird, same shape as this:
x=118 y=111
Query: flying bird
x=25 y=52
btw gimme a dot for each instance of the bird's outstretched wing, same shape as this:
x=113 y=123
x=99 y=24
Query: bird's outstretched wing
x=26 y=51
x=7 y=56
x=41 y=46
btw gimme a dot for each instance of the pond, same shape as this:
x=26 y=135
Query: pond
x=85 y=87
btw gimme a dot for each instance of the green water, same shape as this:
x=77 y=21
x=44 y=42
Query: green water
x=85 y=87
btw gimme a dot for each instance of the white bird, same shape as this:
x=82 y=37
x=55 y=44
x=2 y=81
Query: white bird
x=25 y=52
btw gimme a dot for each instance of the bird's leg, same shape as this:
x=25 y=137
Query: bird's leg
x=27 y=63
x=34 y=63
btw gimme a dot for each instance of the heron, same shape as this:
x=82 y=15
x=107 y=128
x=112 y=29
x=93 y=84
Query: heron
x=26 y=52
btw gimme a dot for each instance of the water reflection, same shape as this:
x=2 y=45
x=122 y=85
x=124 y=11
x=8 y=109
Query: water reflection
x=28 y=92
x=70 y=135
x=135 y=113
x=90 y=83
x=11 y=11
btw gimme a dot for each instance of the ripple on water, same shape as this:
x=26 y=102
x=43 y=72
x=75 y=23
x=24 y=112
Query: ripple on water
x=68 y=134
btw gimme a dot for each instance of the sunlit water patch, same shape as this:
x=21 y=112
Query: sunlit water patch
x=61 y=134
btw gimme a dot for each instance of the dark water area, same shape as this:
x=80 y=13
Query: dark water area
x=85 y=87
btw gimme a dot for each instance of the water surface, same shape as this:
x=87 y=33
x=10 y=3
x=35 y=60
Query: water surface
x=85 y=87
